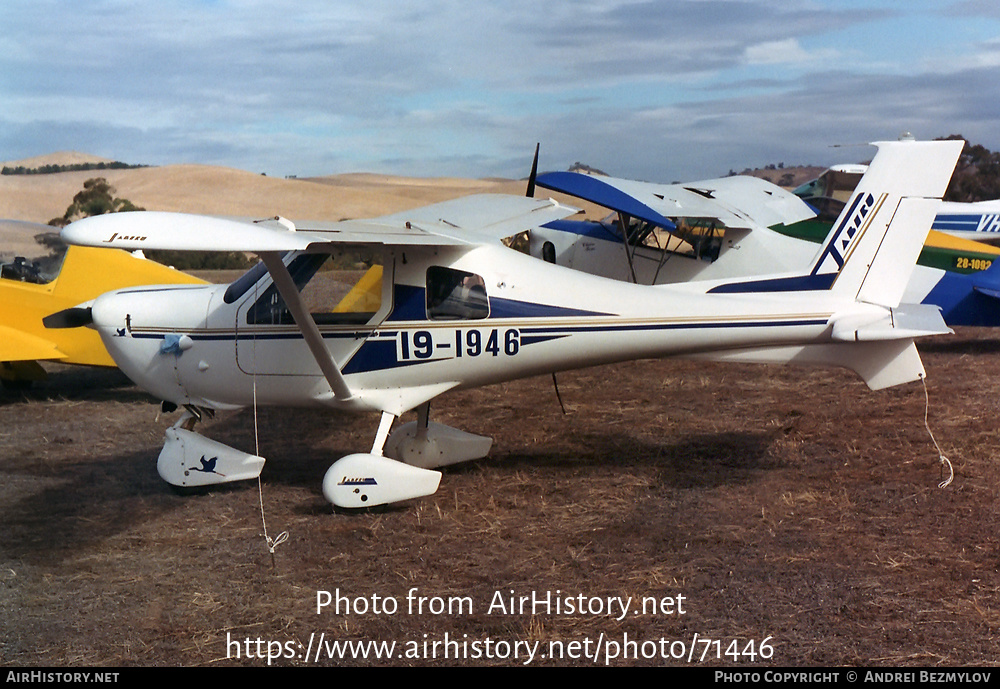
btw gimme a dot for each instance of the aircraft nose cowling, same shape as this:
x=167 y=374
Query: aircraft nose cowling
x=125 y=320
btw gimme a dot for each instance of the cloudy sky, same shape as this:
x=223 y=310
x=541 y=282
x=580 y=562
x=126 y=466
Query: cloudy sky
x=663 y=90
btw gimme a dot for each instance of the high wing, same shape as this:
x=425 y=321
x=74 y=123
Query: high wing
x=466 y=221
x=743 y=202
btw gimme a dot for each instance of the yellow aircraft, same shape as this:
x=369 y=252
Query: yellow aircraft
x=27 y=295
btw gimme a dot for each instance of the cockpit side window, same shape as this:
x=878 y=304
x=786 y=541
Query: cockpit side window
x=39 y=271
x=699 y=238
x=455 y=295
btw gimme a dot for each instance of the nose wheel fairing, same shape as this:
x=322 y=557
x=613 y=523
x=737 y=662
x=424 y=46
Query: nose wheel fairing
x=188 y=460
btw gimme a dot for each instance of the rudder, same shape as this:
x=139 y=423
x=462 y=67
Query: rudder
x=873 y=246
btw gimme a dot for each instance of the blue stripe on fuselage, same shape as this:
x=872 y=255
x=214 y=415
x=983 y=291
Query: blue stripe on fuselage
x=381 y=355
x=799 y=283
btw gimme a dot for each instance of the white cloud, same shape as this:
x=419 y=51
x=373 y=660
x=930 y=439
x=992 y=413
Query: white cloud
x=787 y=51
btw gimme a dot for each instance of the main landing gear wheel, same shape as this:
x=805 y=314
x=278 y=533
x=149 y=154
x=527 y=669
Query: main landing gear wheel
x=364 y=480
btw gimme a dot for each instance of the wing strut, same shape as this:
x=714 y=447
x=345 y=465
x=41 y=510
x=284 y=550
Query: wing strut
x=293 y=300
x=623 y=221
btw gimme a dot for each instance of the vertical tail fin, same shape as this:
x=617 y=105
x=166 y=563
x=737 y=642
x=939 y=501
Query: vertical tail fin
x=873 y=246
x=868 y=257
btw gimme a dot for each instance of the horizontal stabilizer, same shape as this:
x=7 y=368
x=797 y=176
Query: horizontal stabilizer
x=988 y=291
x=907 y=321
x=17 y=345
x=881 y=364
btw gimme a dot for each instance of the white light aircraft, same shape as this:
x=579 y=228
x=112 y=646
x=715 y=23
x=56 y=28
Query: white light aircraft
x=446 y=305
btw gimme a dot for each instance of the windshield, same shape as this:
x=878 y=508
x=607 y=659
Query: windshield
x=336 y=289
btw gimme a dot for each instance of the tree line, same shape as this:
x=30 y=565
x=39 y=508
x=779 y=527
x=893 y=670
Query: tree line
x=74 y=167
x=977 y=175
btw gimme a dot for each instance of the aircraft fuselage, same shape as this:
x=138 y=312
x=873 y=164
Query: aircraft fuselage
x=526 y=317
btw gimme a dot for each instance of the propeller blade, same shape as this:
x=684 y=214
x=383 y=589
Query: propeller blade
x=534 y=173
x=75 y=317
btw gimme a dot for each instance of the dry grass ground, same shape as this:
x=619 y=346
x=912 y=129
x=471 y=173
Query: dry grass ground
x=783 y=504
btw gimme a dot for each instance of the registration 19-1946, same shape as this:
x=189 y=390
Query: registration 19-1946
x=454 y=344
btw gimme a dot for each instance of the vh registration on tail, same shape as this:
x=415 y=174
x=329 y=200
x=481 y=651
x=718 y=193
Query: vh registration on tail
x=445 y=304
